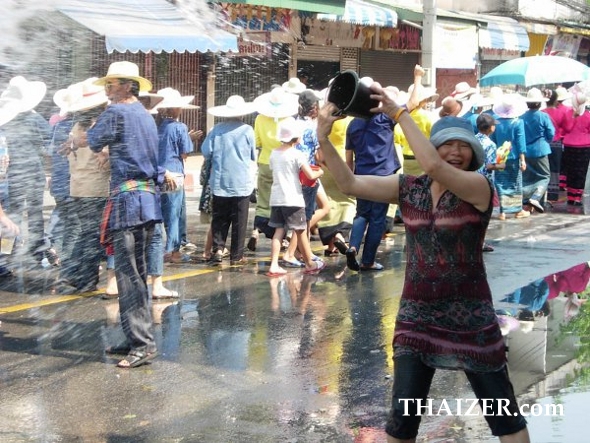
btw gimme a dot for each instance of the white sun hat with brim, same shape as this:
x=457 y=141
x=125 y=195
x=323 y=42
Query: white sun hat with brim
x=235 y=106
x=562 y=93
x=424 y=93
x=289 y=129
x=510 y=106
x=462 y=91
x=294 y=86
x=173 y=99
x=9 y=109
x=277 y=104
x=534 y=95
x=28 y=94
x=149 y=99
x=127 y=71
x=86 y=95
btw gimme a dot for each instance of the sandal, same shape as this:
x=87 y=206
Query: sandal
x=170 y=294
x=318 y=266
x=374 y=267
x=351 y=261
x=118 y=350
x=136 y=358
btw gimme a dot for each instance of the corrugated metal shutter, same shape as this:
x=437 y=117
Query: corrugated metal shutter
x=389 y=68
x=319 y=53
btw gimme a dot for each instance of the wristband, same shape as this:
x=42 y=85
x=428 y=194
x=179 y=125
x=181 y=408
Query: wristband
x=399 y=112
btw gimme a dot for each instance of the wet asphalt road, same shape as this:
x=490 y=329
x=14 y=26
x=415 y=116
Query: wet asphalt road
x=245 y=358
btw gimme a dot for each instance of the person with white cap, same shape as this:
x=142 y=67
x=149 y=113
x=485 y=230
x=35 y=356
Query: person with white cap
x=286 y=197
x=446 y=318
x=231 y=148
x=133 y=207
x=576 y=145
x=174 y=147
x=27 y=135
x=87 y=193
x=538 y=132
x=557 y=110
x=272 y=108
x=510 y=129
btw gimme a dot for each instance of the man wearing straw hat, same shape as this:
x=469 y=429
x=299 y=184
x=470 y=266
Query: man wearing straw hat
x=133 y=207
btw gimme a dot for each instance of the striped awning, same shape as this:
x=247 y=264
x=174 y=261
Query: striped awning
x=149 y=25
x=506 y=35
x=365 y=14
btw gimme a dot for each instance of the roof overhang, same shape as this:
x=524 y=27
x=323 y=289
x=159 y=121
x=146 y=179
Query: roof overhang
x=150 y=26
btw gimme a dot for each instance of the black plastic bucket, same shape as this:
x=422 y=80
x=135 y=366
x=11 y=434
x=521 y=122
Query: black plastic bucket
x=351 y=96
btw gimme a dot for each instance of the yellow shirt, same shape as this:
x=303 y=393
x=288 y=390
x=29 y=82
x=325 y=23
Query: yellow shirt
x=422 y=120
x=265 y=133
x=338 y=135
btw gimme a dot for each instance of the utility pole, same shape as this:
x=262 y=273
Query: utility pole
x=429 y=26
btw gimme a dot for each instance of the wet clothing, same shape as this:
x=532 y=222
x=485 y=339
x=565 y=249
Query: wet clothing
x=446 y=314
x=132 y=137
x=576 y=155
x=489 y=149
x=539 y=132
x=509 y=181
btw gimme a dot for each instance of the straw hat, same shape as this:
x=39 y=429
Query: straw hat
x=125 y=70
x=173 y=99
x=235 y=106
x=562 y=94
x=277 y=104
x=289 y=129
x=294 y=86
x=28 y=94
x=510 y=106
x=85 y=95
x=463 y=91
x=149 y=99
x=534 y=95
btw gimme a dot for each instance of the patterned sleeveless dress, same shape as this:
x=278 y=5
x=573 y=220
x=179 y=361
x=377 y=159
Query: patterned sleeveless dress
x=446 y=314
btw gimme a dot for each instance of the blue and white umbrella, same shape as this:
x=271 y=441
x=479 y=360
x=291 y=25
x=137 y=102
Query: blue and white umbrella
x=536 y=70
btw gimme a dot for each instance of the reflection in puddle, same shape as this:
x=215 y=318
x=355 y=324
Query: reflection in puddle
x=547 y=325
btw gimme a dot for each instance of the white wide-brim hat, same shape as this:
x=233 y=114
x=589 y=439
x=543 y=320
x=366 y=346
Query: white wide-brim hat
x=150 y=100
x=277 y=104
x=8 y=110
x=294 y=86
x=235 y=106
x=425 y=93
x=28 y=94
x=462 y=91
x=510 y=106
x=562 y=93
x=173 y=99
x=534 y=95
x=125 y=70
x=289 y=129
x=85 y=95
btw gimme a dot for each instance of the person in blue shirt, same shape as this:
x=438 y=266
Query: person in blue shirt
x=369 y=151
x=175 y=145
x=231 y=148
x=538 y=132
x=133 y=207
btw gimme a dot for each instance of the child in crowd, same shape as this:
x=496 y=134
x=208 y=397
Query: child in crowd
x=286 y=196
x=486 y=124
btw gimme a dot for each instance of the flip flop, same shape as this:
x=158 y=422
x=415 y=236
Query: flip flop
x=136 y=358
x=275 y=274
x=171 y=294
x=107 y=296
x=375 y=267
x=319 y=265
x=292 y=264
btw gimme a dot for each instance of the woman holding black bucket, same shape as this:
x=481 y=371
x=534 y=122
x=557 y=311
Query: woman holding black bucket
x=446 y=318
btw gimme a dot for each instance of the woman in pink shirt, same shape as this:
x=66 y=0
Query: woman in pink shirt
x=557 y=113
x=576 y=148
